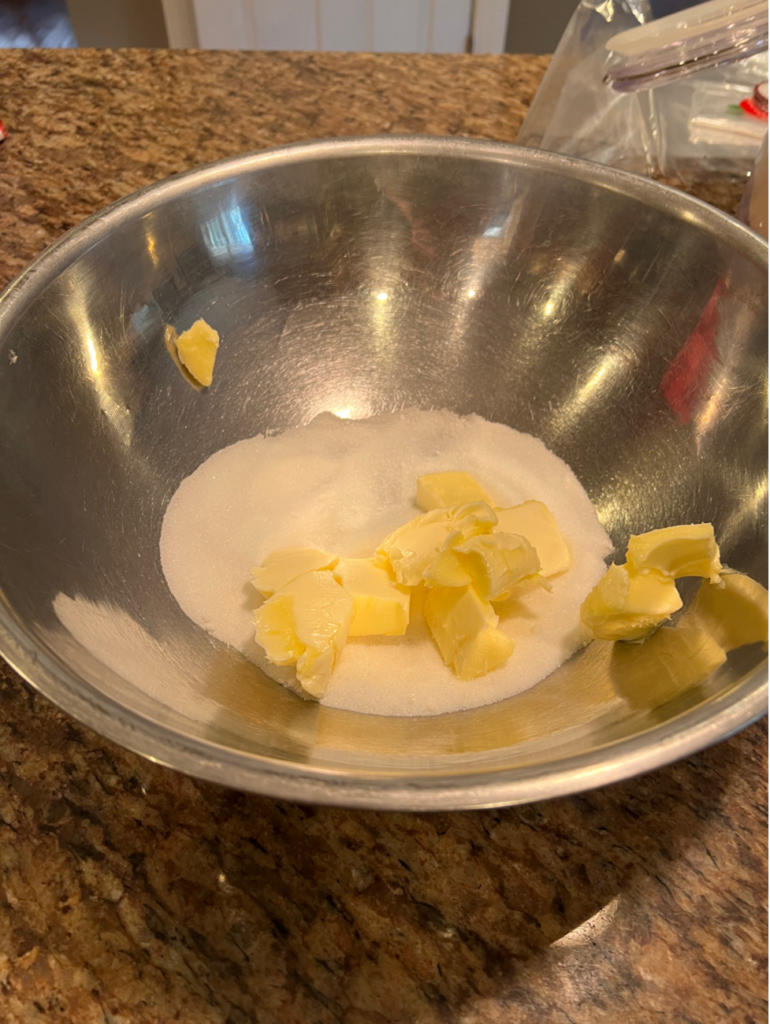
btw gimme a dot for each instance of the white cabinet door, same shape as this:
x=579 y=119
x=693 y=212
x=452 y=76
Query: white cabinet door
x=383 y=26
x=403 y=26
x=490 y=25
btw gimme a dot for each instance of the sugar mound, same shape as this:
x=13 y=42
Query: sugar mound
x=343 y=485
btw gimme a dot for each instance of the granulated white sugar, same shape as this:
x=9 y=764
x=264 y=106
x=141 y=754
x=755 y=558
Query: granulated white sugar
x=342 y=486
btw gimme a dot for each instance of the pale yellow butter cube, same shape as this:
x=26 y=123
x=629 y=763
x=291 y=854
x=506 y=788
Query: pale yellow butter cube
x=626 y=607
x=689 y=550
x=197 y=350
x=464 y=628
x=488 y=650
x=470 y=520
x=411 y=548
x=281 y=567
x=493 y=562
x=454 y=615
x=306 y=621
x=447 y=570
x=534 y=520
x=453 y=487
x=381 y=606
x=496 y=562
x=735 y=613
x=276 y=630
x=315 y=666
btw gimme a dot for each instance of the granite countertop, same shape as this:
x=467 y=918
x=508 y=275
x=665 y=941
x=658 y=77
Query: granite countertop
x=133 y=895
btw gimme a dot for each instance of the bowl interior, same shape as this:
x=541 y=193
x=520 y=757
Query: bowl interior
x=622 y=324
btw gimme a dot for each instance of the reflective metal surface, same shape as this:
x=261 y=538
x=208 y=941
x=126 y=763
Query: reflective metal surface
x=621 y=322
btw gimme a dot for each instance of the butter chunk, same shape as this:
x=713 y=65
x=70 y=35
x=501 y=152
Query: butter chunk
x=281 y=567
x=534 y=520
x=276 y=630
x=465 y=520
x=465 y=630
x=734 y=613
x=447 y=570
x=497 y=562
x=411 y=548
x=453 y=487
x=626 y=607
x=688 y=550
x=488 y=650
x=380 y=605
x=306 y=622
x=494 y=563
x=197 y=350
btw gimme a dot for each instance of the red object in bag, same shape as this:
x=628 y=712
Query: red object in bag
x=750 y=107
x=756 y=106
x=3 y=132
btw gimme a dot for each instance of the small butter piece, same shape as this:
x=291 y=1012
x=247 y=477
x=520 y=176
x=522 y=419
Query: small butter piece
x=281 y=567
x=447 y=570
x=497 y=562
x=441 y=490
x=197 y=350
x=411 y=548
x=735 y=613
x=465 y=630
x=533 y=520
x=306 y=622
x=381 y=606
x=468 y=520
x=626 y=607
x=494 y=563
x=689 y=550
x=488 y=650
x=276 y=631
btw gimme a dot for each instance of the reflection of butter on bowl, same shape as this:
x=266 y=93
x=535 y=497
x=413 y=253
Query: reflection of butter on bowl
x=621 y=323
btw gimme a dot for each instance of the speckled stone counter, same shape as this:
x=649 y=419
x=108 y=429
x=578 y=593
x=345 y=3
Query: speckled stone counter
x=132 y=895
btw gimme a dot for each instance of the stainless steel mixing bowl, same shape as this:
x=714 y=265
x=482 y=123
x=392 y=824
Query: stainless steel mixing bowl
x=621 y=322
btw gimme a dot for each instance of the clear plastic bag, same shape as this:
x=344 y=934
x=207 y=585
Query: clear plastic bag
x=703 y=35
x=666 y=116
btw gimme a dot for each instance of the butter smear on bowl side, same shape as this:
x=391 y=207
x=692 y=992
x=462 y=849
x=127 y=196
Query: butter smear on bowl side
x=197 y=350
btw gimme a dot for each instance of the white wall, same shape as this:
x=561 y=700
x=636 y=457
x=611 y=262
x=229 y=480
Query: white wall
x=384 y=26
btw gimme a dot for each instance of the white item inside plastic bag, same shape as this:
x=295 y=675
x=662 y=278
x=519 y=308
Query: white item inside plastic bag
x=684 y=129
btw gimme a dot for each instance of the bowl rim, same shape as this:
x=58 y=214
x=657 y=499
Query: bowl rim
x=692 y=730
